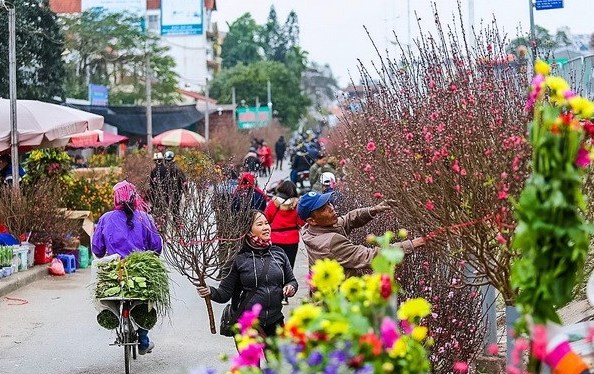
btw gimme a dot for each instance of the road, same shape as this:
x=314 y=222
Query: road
x=56 y=331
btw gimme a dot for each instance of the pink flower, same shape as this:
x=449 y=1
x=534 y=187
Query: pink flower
x=539 y=341
x=461 y=367
x=440 y=127
x=406 y=327
x=367 y=168
x=590 y=335
x=409 y=136
x=428 y=179
x=389 y=332
x=342 y=162
x=429 y=205
x=463 y=172
x=434 y=116
x=378 y=195
x=456 y=167
x=493 y=349
x=501 y=239
x=502 y=195
x=371 y=146
x=249 y=317
x=385 y=286
x=583 y=158
x=458 y=188
x=250 y=356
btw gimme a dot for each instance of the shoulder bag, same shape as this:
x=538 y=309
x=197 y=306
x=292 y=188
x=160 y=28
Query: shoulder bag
x=230 y=315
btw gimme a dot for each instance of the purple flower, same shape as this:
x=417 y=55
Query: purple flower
x=331 y=369
x=289 y=352
x=315 y=358
x=338 y=357
x=366 y=369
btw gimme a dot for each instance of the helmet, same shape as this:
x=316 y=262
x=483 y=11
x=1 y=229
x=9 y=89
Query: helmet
x=157 y=156
x=327 y=179
x=169 y=155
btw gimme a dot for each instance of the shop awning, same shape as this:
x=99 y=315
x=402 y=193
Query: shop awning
x=131 y=120
x=100 y=139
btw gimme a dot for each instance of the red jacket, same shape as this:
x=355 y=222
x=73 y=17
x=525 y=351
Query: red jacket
x=284 y=221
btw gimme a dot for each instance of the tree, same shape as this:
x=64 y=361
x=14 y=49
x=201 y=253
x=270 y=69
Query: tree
x=40 y=44
x=319 y=84
x=250 y=82
x=243 y=42
x=111 y=49
x=544 y=40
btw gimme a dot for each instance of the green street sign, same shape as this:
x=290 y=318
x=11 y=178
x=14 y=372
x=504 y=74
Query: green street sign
x=251 y=117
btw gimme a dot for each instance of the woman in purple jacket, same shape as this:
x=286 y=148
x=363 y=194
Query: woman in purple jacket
x=124 y=230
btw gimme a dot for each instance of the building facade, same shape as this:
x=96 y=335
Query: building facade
x=184 y=26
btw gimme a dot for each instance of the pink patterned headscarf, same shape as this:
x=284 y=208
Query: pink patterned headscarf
x=125 y=192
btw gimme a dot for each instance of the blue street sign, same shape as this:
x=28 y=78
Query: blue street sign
x=548 y=4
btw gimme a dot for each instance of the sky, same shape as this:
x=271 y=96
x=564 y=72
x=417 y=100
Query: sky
x=332 y=30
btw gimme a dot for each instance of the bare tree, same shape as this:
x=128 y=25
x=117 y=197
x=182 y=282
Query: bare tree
x=203 y=233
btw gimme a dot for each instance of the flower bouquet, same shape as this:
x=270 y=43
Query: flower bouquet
x=552 y=236
x=352 y=325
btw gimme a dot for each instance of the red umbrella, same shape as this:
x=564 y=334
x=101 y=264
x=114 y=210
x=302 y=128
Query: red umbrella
x=179 y=138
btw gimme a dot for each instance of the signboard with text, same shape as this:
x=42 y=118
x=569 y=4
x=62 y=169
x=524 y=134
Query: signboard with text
x=548 y=4
x=98 y=95
x=181 y=17
x=251 y=117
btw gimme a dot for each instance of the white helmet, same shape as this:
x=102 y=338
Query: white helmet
x=327 y=179
x=169 y=156
x=157 y=156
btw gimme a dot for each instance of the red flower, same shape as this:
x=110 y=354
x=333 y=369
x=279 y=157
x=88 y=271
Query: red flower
x=429 y=205
x=385 y=286
x=589 y=128
x=502 y=195
x=356 y=361
x=371 y=340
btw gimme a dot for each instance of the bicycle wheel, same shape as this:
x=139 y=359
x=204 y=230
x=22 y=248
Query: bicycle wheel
x=127 y=346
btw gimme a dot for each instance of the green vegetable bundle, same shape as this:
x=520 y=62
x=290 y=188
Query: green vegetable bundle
x=141 y=275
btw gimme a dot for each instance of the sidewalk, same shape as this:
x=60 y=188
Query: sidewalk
x=22 y=278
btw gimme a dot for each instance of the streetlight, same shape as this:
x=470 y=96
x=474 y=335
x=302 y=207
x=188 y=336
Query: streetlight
x=207 y=115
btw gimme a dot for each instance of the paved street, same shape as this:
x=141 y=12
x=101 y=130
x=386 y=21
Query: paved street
x=56 y=330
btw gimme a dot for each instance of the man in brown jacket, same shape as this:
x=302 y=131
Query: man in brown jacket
x=326 y=235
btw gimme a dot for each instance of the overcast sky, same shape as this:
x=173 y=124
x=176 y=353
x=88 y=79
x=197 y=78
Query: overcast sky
x=332 y=30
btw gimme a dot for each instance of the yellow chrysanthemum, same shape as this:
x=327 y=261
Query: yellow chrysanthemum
x=542 y=68
x=557 y=84
x=388 y=367
x=419 y=333
x=327 y=275
x=244 y=340
x=334 y=328
x=352 y=288
x=399 y=348
x=372 y=287
x=582 y=107
x=304 y=314
x=414 y=308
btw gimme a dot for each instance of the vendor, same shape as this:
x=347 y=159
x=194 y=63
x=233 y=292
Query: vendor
x=124 y=230
x=6 y=170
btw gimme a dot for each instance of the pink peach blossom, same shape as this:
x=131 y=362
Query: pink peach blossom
x=371 y=146
x=461 y=367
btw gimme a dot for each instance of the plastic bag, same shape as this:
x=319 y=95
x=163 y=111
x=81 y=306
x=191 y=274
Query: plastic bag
x=56 y=267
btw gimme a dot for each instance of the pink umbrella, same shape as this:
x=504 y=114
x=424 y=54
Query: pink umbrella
x=44 y=124
x=179 y=138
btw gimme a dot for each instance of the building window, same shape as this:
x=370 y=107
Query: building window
x=154 y=23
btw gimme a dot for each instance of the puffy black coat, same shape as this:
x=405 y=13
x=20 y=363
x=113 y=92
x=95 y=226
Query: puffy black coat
x=246 y=274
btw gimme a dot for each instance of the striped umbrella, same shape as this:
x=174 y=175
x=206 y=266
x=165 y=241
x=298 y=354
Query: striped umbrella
x=179 y=138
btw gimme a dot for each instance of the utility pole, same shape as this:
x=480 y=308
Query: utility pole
x=149 y=108
x=532 y=32
x=471 y=23
x=408 y=22
x=14 y=135
x=269 y=91
x=207 y=114
x=234 y=102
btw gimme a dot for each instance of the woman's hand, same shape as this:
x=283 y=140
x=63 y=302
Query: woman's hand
x=288 y=291
x=203 y=291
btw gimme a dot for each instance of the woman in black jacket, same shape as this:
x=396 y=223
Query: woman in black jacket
x=247 y=275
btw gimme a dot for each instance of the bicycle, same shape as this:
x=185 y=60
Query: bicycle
x=126 y=335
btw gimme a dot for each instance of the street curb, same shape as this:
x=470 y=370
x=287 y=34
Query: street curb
x=21 y=279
